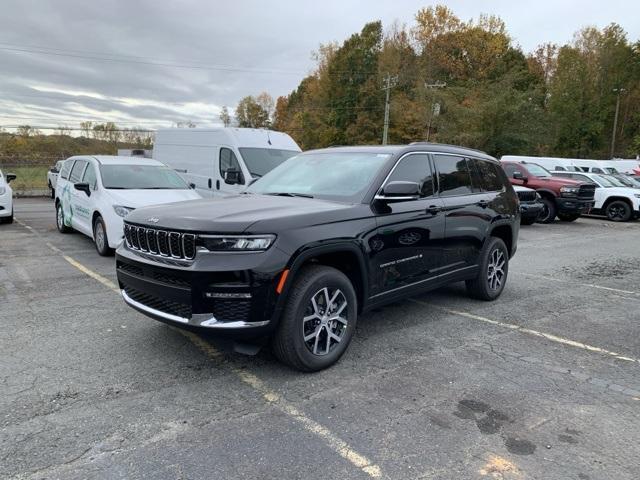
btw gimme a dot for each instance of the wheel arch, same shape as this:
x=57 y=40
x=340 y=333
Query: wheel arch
x=544 y=192
x=610 y=200
x=346 y=257
x=505 y=233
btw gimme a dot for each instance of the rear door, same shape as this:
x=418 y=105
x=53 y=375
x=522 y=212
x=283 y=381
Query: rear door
x=468 y=210
x=405 y=249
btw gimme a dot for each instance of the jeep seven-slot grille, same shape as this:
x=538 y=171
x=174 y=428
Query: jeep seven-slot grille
x=587 y=191
x=160 y=242
x=527 y=196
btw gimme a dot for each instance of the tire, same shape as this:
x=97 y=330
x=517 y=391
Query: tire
x=53 y=192
x=304 y=317
x=62 y=228
x=100 y=239
x=528 y=221
x=548 y=213
x=8 y=219
x=618 y=211
x=568 y=217
x=488 y=285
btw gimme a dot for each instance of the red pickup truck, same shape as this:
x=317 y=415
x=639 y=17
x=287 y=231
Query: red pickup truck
x=562 y=197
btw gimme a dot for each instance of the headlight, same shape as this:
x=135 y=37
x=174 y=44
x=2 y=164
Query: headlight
x=233 y=243
x=569 y=191
x=122 y=211
x=3 y=190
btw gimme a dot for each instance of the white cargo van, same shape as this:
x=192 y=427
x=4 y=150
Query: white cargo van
x=222 y=160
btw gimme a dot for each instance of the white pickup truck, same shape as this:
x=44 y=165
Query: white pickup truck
x=612 y=198
x=52 y=177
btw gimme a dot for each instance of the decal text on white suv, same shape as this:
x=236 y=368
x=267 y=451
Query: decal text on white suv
x=95 y=193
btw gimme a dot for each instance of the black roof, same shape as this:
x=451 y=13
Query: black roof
x=413 y=147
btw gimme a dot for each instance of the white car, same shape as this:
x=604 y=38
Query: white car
x=6 y=198
x=52 y=177
x=95 y=193
x=612 y=198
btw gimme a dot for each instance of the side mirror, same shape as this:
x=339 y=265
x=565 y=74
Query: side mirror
x=83 y=187
x=399 y=192
x=53 y=170
x=10 y=177
x=232 y=177
x=519 y=176
x=192 y=186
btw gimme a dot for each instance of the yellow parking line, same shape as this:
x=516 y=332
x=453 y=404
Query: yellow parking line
x=536 y=333
x=271 y=397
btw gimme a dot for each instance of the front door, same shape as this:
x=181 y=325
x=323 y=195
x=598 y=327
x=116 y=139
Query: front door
x=84 y=204
x=74 y=213
x=405 y=249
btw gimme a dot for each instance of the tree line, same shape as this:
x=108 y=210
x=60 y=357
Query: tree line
x=466 y=83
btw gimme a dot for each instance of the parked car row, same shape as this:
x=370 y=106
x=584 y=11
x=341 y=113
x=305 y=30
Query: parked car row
x=6 y=197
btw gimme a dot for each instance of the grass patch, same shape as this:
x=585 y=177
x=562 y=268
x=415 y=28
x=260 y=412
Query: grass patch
x=28 y=177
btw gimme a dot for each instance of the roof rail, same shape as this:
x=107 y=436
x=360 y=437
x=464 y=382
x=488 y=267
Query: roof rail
x=447 y=145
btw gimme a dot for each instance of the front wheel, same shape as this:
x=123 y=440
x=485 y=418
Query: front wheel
x=62 y=228
x=618 y=211
x=528 y=220
x=318 y=321
x=568 y=217
x=494 y=268
x=548 y=213
x=100 y=237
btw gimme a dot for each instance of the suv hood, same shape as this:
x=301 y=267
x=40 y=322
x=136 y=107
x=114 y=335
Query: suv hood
x=241 y=212
x=143 y=198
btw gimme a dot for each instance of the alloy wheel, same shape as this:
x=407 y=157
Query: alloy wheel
x=325 y=321
x=617 y=212
x=99 y=236
x=495 y=270
x=60 y=217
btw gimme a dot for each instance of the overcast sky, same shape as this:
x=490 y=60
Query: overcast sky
x=152 y=63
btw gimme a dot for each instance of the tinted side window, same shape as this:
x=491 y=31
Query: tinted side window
x=491 y=179
x=453 y=175
x=228 y=161
x=90 y=176
x=414 y=168
x=66 y=166
x=76 y=171
x=510 y=168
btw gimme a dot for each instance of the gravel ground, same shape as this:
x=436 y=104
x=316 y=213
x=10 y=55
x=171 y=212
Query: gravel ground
x=542 y=384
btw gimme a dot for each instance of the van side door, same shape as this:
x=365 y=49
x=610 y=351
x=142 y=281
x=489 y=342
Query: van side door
x=231 y=179
x=84 y=205
x=74 y=213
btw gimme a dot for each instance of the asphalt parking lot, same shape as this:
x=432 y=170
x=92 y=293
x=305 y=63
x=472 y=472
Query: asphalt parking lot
x=542 y=384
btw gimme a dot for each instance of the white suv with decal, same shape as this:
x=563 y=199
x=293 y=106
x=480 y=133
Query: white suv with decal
x=94 y=194
x=6 y=198
x=612 y=198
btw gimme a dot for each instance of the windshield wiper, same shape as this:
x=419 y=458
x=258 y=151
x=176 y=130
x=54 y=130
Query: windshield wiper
x=290 y=194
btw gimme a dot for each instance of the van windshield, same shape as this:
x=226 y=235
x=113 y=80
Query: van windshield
x=262 y=160
x=141 y=177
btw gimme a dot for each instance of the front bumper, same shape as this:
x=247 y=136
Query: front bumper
x=531 y=210
x=573 y=205
x=231 y=294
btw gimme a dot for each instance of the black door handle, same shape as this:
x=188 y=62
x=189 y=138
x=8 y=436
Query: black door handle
x=217 y=184
x=433 y=209
x=483 y=203
x=209 y=183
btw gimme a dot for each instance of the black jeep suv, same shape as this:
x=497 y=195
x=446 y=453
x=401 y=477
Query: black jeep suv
x=320 y=239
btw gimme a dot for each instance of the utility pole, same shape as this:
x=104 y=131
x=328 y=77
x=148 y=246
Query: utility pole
x=615 y=120
x=432 y=87
x=389 y=83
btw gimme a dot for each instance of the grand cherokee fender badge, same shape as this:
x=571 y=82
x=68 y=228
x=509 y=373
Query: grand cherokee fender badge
x=153 y=219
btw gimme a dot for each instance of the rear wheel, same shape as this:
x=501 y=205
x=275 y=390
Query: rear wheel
x=318 y=321
x=618 y=211
x=568 y=217
x=494 y=268
x=62 y=228
x=100 y=237
x=548 y=213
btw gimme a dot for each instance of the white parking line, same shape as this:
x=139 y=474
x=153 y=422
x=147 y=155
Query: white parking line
x=338 y=445
x=529 y=331
x=588 y=285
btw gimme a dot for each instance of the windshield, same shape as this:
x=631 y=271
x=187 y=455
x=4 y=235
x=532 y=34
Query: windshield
x=607 y=182
x=537 y=171
x=260 y=161
x=610 y=170
x=141 y=177
x=344 y=176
